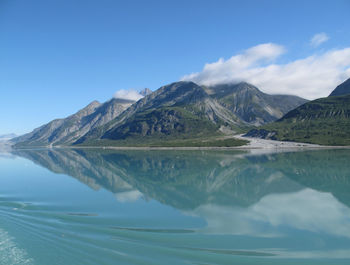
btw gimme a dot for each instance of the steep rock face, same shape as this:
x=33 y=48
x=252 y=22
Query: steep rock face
x=251 y=105
x=56 y=129
x=68 y=130
x=342 y=90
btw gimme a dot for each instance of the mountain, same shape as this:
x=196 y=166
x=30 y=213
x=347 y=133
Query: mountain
x=178 y=110
x=185 y=110
x=323 y=121
x=173 y=115
x=7 y=136
x=251 y=105
x=342 y=89
x=68 y=130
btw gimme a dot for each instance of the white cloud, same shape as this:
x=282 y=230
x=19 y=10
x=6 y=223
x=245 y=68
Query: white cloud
x=318 y=39
x=128 y=94
x=311 y=77
x=303 y=210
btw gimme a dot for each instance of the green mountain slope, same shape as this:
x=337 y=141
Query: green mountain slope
x=323 y=121
x=342 y=90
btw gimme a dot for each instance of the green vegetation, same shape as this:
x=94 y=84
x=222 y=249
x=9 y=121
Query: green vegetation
x=231 y=142
x=168 y=142
x=323 y=121
x=166 y=121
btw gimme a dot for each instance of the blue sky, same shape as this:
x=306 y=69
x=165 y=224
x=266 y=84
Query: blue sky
x=57 y=56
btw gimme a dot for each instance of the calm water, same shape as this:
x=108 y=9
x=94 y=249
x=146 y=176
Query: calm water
x=174 y=207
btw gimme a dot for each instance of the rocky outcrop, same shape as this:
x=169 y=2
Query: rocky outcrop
x=146 y=91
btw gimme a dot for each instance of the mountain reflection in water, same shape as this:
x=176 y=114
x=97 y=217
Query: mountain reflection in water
x=290 y=204
x=188 y=179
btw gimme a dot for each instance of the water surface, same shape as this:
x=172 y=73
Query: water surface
x=63 y=206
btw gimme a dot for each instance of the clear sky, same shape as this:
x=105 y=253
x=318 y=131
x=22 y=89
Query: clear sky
x=56 y=56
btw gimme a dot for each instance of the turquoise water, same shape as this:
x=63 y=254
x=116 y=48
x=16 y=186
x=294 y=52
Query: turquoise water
x=174 y=207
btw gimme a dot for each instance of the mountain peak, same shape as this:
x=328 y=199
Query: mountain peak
x=226 y=89
x=146 y=91
x=246 y=86
x=342 y=89
x=94 y=103
x=88 y=109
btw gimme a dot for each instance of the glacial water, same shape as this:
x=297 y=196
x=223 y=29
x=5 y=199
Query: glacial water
x=63 y=206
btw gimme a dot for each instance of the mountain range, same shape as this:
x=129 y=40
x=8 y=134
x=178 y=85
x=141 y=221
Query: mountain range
x=180 y=111
x=323 y=121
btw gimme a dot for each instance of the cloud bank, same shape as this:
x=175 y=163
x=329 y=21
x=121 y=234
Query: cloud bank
x=311 y=77
x=128 y=94
x=318 y=39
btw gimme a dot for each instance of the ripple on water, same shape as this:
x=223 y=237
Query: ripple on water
x=155 y=230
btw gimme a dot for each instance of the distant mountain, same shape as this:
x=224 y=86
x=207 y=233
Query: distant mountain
x=342 y=89
x=251 y=105
x=323 y=121
x=7 y=136
x=68 y=130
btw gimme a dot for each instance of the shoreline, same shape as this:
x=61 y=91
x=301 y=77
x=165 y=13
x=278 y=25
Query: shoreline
x=254 y=144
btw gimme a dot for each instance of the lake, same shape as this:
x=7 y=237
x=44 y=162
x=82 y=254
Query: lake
x=80 y=206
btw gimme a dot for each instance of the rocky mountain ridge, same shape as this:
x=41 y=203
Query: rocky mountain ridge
x=252 y=105
x=70 y=129
x=181 y=110
x=185 y=109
